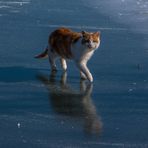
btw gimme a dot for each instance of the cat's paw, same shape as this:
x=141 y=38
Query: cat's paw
x=90 y=79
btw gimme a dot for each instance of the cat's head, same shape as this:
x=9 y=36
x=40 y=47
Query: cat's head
x=91 y=40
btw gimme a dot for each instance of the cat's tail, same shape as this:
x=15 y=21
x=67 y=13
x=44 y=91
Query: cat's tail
x=44 y=54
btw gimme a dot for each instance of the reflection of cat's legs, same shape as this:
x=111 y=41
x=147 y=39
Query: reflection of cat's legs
x=52 y=76
x=85 y=88
x=93 y=123
x=63 y=64
x=64 y=78
x=89 y=89
x=82 y=86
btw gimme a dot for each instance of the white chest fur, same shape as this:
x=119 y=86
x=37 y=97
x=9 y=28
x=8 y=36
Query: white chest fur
x=81 y=52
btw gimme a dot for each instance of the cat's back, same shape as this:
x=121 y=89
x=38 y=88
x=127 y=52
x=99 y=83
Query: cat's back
x=61 y=40
x=62 y=34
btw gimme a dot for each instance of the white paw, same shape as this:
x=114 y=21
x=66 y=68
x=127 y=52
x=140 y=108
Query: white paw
x=90 y=79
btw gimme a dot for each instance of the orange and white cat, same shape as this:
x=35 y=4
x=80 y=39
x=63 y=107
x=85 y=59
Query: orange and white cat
x=66 y=44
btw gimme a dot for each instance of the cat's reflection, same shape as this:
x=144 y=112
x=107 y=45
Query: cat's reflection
x=74 y=103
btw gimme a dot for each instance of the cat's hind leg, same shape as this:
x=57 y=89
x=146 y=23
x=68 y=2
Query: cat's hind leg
x=52 y=59
x=52 y=62
x=63 y=64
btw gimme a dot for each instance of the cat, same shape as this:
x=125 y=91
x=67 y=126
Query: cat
x=66 y=44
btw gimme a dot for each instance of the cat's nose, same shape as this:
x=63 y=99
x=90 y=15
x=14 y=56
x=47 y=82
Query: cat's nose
x=90 y=45
x=90 y=42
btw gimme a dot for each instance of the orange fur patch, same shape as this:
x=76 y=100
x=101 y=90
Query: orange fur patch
x=61 y=40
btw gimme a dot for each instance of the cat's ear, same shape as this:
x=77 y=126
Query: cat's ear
x=97 y=34
x=83 y=33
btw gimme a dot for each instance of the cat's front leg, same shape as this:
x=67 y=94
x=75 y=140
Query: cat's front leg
x=83 y=67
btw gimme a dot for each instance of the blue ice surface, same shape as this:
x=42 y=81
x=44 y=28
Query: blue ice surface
x=39 y=110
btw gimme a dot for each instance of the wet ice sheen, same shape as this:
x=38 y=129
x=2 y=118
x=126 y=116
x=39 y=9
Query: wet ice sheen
x=133 y=13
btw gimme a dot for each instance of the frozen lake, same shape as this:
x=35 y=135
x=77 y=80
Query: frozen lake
x=39 y=110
